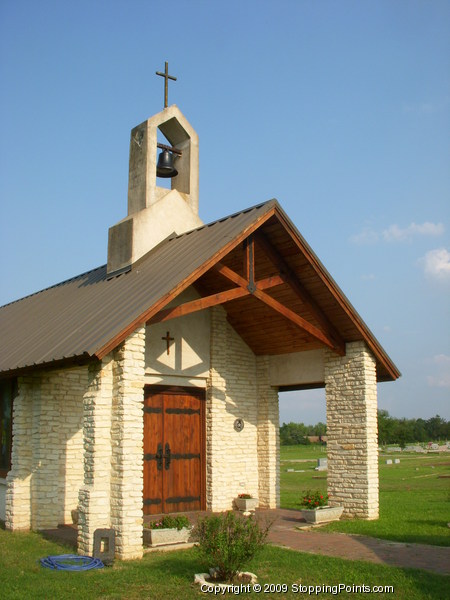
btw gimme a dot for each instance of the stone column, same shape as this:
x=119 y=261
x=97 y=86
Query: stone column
x=268 y=437
x=18 y=480
x=94 y=495
x=127 y=437
x=216 y=495
x=351 y=394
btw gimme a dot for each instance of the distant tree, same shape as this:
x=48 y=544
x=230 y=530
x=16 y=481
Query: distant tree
x=391 y=430
x=293 y=433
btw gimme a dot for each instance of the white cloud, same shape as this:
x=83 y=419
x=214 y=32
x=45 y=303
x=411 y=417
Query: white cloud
x=436 y=264
x=366 y=236
x=441 y=378
x=368 y=277
x=427 y=108
x=394 y=233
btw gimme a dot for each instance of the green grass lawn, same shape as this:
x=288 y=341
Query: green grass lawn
x=414 y=508
x=414 y=495
x=169 y=575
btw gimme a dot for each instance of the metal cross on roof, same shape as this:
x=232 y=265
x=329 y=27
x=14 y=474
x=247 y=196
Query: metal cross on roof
x=166 y=82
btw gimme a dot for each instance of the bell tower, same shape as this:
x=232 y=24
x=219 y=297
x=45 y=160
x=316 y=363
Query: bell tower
x=156 y=212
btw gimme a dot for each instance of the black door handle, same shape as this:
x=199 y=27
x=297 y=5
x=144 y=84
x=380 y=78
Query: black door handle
x=159 y=457
x=167 y=456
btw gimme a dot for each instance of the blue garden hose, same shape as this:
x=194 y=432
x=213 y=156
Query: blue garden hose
x=71 y=562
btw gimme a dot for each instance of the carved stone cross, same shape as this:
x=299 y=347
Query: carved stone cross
x=168 y=339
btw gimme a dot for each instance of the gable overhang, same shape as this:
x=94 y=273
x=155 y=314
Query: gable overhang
x=277 y=294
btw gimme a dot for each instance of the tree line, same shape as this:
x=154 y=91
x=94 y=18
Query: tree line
x=409 y=431
x=391 y=430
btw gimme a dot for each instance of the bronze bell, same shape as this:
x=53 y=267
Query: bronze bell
x=165 y=167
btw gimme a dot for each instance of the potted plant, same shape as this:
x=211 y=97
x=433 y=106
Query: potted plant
x=315 y=507
x=167 y=530
x=246 y=502
x=228 y=541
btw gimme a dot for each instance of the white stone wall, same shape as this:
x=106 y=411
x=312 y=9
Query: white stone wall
x=268 y=436
x=47 y=464
x=352 y=447
x=127 y=438
x=18 y=480
x=234 y=389
x=111 y=496
x=57 y=445
x=2 y=499
x=94 y=494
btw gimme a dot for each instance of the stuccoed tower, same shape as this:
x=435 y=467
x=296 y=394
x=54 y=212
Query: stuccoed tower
x=156 y=212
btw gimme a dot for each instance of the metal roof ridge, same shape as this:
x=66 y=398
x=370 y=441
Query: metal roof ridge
x=269 y=203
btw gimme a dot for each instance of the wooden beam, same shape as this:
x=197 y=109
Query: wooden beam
x=249 y=262
x=262 y=284
x=297 y=319
x=213 y=300
x=291 y=279
x=196 y=305
x=231 y=275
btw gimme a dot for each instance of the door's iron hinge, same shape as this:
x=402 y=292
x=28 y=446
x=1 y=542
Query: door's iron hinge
x=177 y=499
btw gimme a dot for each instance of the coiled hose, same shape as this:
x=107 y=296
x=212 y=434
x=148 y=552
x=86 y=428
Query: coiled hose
x=71 y=562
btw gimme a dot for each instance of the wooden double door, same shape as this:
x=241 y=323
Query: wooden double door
x=174 y=449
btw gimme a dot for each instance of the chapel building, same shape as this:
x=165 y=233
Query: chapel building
x=150 y=385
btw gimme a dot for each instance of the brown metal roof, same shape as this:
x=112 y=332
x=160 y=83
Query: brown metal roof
x=89 y=315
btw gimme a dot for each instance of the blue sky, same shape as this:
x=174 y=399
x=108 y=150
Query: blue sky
x=340 y=110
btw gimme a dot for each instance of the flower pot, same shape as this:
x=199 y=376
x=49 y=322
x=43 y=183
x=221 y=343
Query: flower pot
x=323 y=514
x=164 y=537
x=247 y=505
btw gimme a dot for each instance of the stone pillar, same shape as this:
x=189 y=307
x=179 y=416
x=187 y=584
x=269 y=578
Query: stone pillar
x=18 y=480
x=216 y=495
x=351 y=394
x=127 y=437
x=268 y=437
x=94 y=495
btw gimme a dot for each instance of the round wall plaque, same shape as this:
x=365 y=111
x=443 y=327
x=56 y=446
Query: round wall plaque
x=239 y=425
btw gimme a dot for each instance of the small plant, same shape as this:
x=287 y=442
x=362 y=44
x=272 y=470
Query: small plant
x=228 y=542
x=245 y=496
x=169 y=522
x=314 y=499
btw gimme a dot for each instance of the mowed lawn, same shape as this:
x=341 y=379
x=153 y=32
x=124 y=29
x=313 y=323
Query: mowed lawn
x=414 y=507
x=414 y=495
x=170 y=575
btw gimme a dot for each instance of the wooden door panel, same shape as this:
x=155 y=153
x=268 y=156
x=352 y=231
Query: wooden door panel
x=174 y=420
x=153 y=449
x=182 y=424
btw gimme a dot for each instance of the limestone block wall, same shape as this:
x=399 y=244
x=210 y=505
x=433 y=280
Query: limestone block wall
x=232 y=456
x=127 y=438
x=351 y=395
x=111 y=495
x=47 y=454
x=268 y=436
x=2 y=498
x=57 y=445
x=18 y=480
x=94 y=503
